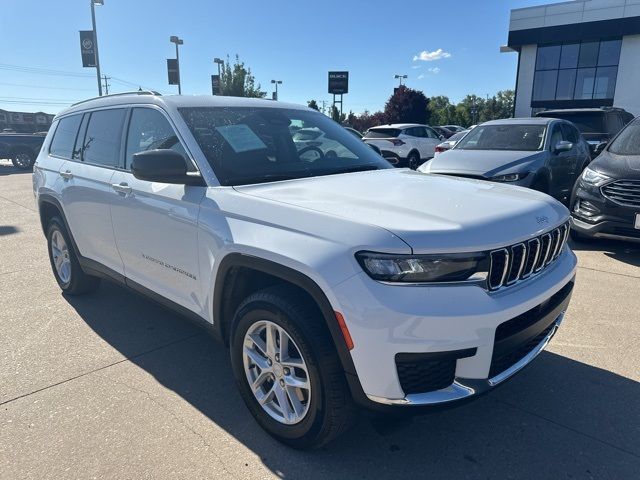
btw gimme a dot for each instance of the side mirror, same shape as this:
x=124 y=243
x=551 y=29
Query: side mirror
x=599 y=148
x=563 y=146
x=163 y=165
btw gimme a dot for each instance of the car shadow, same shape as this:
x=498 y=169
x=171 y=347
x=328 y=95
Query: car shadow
x=623 y=251
x=8 y=230
x=558 y=418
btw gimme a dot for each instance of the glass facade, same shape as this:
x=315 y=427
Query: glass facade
x=577 y=71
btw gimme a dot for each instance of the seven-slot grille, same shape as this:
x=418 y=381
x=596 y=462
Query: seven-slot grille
x=517 y=262
x=623 y=192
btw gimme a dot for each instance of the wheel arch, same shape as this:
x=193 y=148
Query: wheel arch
x=227 y=280
x=48 y=207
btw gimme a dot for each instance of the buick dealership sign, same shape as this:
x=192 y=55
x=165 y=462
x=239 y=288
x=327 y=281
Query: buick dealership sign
x=88 y=48
x=338 y=82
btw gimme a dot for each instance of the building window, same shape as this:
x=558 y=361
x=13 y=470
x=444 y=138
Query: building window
x=577 y=71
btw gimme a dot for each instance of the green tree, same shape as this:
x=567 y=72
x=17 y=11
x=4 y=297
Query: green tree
x=238 y=81
x=506 y=102
x=336 y=116
x=441 y=111
x=407 y=105
x=313 y=104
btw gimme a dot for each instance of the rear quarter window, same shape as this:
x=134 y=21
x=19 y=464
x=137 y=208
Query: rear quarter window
x=382 y=133
x=64 y=136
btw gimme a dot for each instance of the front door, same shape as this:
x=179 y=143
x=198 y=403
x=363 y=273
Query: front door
x=156 y=224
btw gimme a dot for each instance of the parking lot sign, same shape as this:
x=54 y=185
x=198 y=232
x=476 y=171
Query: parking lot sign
x=338 y=82
x=215 y=84
x=172 y=70
x=88 y=48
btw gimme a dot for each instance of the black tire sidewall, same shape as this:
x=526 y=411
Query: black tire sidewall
x=55 y=225
x=300 y=435
x=413 y=160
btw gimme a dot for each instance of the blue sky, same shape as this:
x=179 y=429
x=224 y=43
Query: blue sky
x=293 y=41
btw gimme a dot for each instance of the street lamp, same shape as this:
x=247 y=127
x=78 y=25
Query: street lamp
x=400 y=77
x=177 y=41
x=95 y=41
x=276 y=83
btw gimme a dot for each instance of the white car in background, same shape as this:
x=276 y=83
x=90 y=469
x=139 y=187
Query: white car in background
x=404 y=144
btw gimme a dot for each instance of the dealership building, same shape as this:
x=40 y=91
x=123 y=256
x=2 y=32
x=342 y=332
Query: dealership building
x=578 y=54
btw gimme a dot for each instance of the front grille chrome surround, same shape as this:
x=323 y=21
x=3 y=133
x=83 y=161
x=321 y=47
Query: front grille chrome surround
x=520 y=261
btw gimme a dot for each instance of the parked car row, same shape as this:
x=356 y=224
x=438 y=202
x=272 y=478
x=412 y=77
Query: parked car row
x=21 y=148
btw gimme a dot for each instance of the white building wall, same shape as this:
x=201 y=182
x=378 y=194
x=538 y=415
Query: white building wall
x=627 y=94
x=525 y=80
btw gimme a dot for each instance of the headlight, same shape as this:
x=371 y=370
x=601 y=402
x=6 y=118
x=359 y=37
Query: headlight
x=509 y=177
x=594 y=178
x=424 y=268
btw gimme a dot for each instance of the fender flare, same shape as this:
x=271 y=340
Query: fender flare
x=45 y=198
x=289 y=275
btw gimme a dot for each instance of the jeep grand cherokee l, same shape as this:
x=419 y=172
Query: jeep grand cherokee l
x=336 y=280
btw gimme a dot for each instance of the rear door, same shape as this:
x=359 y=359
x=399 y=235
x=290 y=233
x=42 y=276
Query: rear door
x=86 y=192
x=156 y=224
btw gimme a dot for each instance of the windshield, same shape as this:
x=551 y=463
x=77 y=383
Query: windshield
x=457 y=136
x=504 y=137
x=247 y=145
x=585 y=122
x=628 y=142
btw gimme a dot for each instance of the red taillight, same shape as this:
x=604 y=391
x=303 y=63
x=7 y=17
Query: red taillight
x=396 y=141
x=440 y=149
x=344 y=330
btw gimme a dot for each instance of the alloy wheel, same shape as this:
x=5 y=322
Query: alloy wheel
x=60 y=254
x=276 y=372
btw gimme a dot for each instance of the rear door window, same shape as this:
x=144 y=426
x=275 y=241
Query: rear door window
x=101 y=144
x=383 y=132
x=65 y=136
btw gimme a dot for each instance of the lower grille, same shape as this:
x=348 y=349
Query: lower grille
x=623 y=231
x=427 y=372
x=517 y=337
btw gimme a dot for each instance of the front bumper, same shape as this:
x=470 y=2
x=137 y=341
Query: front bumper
x=388 y=321
x=594 y=215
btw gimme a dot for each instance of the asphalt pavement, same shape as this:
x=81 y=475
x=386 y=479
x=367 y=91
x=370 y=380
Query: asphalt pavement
x=110 y=385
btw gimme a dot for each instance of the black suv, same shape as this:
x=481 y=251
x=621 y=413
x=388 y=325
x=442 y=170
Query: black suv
x=606 y=198
x=597 y=125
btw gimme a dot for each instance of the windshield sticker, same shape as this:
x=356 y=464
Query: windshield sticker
x=241 y=138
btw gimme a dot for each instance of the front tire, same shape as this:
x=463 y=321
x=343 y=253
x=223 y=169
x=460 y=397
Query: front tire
x=287 y=369
x=64 y=262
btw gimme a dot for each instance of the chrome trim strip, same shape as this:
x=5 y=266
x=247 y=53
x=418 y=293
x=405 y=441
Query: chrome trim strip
x=558 y=242
x=467 y=387
x=543 y=263
x=520 y=267
x=507 y=266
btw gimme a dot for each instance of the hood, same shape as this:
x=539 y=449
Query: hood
x=431 y=213
x=484 y=163
x=617 y=166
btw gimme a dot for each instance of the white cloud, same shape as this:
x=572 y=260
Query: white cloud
x=421 y=76
x=416 y=66
x=427 y=56
x=434 y=70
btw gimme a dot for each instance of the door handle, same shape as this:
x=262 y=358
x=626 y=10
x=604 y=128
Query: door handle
x=67 y=175
x=122 y=188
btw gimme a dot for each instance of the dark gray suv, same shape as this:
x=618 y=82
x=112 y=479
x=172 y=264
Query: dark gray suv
x=544 y=154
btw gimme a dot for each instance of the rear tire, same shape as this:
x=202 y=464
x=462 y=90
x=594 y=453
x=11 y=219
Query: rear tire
x=23 y=160
x=326 y=405
x=64 y=262
x=413 y=160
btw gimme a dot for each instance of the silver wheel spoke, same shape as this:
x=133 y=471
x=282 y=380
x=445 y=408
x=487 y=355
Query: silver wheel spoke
x=296 y=382
x=283 y=402
x=267 y=397
x=298 y=408
x=271 y=339
x=256 y=358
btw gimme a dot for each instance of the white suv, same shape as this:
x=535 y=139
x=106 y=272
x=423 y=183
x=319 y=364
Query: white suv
x=336 y=281
x=404 y=144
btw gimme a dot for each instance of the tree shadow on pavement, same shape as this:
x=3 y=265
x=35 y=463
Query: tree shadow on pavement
x=623 y=251
x=558 y=419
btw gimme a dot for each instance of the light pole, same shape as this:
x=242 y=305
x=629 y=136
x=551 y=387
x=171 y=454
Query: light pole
x=400 y=77
x=95 y=41
x=276 y=83
x=177 y=41
x=220 y=62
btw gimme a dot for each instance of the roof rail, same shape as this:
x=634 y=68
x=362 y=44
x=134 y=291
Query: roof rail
x=133 y=92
